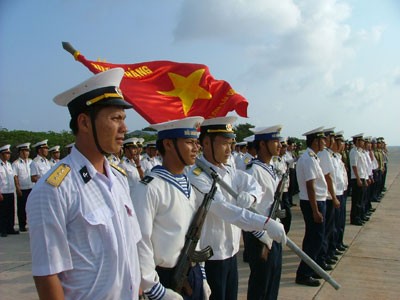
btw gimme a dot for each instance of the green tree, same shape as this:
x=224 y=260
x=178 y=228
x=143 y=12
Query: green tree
x=242 y=131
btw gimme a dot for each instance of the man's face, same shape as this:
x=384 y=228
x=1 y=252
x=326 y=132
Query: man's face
x=222 y=148
x=56 y=155
x=282 y=150
x=43 y=151
x=24 y=153
x=273 y=147
x=321 y=143
x=189 y=148
x=152 y=151
x=111 y=128
x=130 y=152
x=5 y=156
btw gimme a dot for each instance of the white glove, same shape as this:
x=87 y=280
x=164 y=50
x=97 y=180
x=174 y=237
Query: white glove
x=206 y=290
x=265 y=239
x=276 y=231
x=244 y=199
x=171 y=295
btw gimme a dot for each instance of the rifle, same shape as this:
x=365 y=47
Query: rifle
x=188 y=253
x=308 y=260
x=275 y=212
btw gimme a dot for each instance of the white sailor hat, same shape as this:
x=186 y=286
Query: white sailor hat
x=5 y=149
x=150 y=144
x=358 y=136
x=70 y=145
x=367 y=139
x=329 y=131
x=249 y=139
x=139 y=142
x=23 y=146
x=101 y=89
x=282 y=140
x=241 y=144
x=374 y=140
x=339 y=135
x=181 y=128
x=221 y=126
x=55 y=149
x=315 y=133
x=41 y=144
x=267 y=133
x=131 y=142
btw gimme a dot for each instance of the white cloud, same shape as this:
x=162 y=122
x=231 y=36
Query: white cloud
x=235 y=20
x=358 y=94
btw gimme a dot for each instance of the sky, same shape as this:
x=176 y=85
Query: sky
x=302 y=64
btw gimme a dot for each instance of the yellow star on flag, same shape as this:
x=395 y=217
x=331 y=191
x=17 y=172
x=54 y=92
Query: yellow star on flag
x=187 y=89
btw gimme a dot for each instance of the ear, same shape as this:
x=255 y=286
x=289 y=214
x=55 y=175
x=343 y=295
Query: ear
x=168 y=145
x=84 y=123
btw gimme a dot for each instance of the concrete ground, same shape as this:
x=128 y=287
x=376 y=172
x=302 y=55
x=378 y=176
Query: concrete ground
x=370 y=269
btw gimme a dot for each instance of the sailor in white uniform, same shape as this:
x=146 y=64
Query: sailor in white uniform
x=227 y=215
x=165 y=203
x=82 y=225
x=54 y=155
x=40 y=164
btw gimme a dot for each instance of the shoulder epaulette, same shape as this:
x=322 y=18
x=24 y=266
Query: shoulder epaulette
x=119 y=169
x=248 y=166
x=147 y=179
x=247 y=160
x=58 y=175
x=275 y=159
x=312 y=154
x=197 y=171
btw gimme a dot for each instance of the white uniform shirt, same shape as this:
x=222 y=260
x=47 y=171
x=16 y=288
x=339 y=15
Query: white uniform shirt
x=133 y=174
x=326 y=162
x=22 y=169
x=53 y=162
x=86 y=231
x=7 y=184
x=357 y=160
x=368 y=163
x=267 y=178
x=308 y=168
x=164 y=214
x=221 y=229
x=149 y=163
x=40 y=166
x=242 y=163
x=289 y=158
x=340 y=172
x=281 y=167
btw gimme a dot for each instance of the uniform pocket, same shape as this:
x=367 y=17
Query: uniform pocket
x=101 y=215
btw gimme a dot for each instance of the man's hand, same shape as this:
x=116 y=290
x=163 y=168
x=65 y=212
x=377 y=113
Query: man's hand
x=276 y=231
x=318 y=217
x=244 y=199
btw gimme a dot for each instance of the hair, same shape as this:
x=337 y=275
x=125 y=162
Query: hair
x=90 y=111
x=256 y=145
x=309 y=140
x=160 y=147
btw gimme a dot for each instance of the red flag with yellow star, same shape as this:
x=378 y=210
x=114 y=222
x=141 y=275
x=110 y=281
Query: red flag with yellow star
x=164 y=90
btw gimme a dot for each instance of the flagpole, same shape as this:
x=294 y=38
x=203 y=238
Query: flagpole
x=300 y=253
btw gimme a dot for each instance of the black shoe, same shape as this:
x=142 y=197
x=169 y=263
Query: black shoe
x=330 y=261
x=316 y=276
x=338 y=252
x=13 y=232
x=23 y=230
x=326 y=267
x=345 y=246
x=341 y=248
x=3 y=234
x=365 y=219
x=309 y=281
x=372 y=209
x=357 y=223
